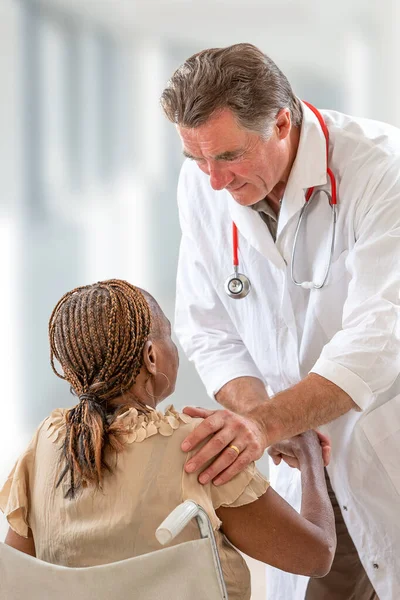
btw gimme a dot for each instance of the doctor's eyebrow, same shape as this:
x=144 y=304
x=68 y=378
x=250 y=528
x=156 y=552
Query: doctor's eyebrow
x=228 y=155
x=190 y=156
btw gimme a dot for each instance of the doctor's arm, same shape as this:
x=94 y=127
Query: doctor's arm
x=242 y=394
x=360 y=361
x=314 y=401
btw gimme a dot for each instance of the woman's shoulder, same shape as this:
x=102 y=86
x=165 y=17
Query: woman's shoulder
x=54 y=425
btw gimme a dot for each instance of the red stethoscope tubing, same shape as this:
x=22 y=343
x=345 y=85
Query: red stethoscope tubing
x=328 y=171
x=235 y=238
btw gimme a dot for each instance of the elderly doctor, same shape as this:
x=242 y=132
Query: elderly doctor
x=291 y=314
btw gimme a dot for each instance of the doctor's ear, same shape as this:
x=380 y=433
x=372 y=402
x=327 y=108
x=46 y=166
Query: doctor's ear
x=283 y=123
x=150 y=357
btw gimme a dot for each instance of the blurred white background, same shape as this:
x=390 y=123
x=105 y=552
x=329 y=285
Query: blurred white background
x=89 y=164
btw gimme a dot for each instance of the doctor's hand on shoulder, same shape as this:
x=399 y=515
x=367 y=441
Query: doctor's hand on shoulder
x=237 y=440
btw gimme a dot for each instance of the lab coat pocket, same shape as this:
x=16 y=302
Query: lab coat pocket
x=329 y=300
x=382 y=428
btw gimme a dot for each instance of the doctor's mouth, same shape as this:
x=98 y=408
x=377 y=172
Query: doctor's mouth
x=236 y=189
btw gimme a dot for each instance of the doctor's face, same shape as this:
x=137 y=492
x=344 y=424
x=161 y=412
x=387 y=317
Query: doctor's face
x=240 y=161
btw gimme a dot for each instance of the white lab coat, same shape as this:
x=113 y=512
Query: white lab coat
x=348 y=332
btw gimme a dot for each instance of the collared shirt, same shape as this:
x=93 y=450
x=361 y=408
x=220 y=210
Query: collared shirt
x=268 y=216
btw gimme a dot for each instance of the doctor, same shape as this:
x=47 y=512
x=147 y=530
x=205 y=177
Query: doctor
x=291 y=314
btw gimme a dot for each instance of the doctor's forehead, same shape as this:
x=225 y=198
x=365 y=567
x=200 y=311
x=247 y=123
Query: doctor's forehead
x=219 y=137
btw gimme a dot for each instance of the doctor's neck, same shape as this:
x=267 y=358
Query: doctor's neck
x=276 y=194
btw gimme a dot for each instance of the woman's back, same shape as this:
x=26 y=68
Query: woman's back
x=98 y=479
x=147 y=481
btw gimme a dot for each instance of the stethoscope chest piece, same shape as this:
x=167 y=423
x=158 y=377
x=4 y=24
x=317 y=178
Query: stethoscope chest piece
x=237 y=285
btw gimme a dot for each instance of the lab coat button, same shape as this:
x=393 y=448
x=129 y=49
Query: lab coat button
x=344 y=507
x=376 y=566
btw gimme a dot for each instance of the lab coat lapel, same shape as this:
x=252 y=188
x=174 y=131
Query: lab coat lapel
x=308 y=170
x=253 y=228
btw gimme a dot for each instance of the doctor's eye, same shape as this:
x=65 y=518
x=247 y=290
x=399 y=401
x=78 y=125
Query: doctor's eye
x=202 y=164
x=198 y=161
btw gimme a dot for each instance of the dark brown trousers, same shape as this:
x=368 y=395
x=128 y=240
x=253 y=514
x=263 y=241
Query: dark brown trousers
x=347 y=579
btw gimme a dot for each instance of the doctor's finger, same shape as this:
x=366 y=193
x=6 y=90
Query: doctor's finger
x=324 y=440
x=213 y=423
x=326 y=455
x=220 y=464
x=197 y=411
x=242 y=461
x=212 y=449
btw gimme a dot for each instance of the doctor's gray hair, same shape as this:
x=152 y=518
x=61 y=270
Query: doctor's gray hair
x=240 y=78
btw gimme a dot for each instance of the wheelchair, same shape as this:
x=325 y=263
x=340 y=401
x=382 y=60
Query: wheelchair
x=188 y=571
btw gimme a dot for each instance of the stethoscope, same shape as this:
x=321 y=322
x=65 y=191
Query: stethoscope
x=238 y=285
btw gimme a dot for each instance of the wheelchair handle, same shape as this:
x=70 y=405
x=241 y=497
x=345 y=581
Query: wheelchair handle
x=179 y=518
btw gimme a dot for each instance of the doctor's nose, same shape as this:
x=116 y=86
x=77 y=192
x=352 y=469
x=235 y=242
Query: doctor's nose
x=220 y=178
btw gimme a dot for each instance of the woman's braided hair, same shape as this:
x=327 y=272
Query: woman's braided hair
x=97 y=334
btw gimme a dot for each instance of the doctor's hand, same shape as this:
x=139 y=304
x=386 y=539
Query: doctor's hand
x=295 y=450
x=237 y=441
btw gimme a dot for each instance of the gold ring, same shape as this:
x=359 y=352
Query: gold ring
x=235 y=448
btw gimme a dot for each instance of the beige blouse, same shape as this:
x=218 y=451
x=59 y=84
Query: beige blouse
x=147 y=482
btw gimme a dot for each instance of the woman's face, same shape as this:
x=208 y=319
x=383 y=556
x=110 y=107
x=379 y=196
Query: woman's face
x=167 y=360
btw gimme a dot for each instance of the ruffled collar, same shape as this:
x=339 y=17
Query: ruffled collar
x=136 y=426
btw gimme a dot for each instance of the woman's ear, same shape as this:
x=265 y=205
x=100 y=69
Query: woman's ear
x=149 y=357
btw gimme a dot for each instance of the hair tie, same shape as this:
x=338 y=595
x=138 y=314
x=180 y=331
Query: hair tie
x=88 y=397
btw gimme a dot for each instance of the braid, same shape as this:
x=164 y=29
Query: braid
x=82 y=321
x=97 y=333
x=99 y=338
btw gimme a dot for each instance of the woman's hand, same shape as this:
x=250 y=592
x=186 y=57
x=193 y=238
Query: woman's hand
x=294 y=450
x=229 y=429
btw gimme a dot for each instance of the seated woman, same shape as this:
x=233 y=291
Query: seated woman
x=98 y=479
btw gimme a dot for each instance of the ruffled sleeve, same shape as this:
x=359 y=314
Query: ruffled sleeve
x=244 y=488
x=14 y=501
x=15 y=494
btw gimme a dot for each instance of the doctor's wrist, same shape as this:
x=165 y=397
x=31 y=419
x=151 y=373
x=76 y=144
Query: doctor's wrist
x=270 y=425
